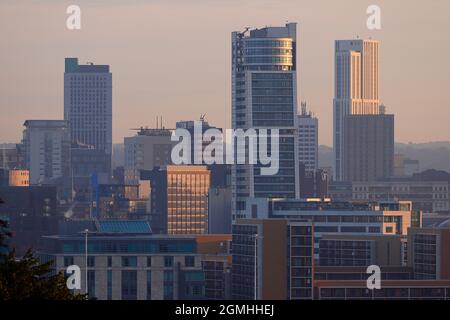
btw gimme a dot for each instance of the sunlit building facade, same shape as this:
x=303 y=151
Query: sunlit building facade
x=19 y=178
x=356 y=88
x=187 y=199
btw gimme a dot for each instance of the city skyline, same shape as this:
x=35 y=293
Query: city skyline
x=142 y=84
x=224 y=197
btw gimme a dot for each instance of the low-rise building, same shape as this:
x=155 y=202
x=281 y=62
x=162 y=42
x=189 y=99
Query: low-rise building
x=390 y=290
x=125 y=261
x=429 y=253
x=389 y=218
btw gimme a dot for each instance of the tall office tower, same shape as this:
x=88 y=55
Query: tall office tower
x=355 y=87
x=220 y=173
x=47 y=150
x=308 y=139
x=148 y=149
x=368 y=147
x=264 y=96
x=88 y=105
x=197 y=147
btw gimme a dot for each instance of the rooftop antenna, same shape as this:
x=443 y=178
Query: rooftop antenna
x=202 y=117
x=303 y=104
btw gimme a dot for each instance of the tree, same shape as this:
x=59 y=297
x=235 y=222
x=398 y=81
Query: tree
x=28 y=278
x=5 y=235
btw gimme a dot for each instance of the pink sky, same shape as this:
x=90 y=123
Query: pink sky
x=172 y=58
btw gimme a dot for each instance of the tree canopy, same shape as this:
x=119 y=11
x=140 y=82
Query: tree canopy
x=27 y=278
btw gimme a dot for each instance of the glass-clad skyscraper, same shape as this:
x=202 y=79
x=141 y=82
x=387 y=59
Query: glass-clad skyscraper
x=264 y=96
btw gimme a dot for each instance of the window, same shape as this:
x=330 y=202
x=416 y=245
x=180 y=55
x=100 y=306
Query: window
x=109 y=286
x=168 y=261
x=109 y=262
x=129 y=285
x=91 y=261
x=129 y=261
x=68 y=261
x=149 y=261
x=189 y=261
x=149 y=285
x=168 y=285
x=91 y=283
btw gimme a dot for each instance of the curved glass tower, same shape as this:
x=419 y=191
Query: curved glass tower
x=264 y=96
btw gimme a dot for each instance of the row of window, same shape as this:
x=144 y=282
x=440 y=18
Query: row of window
x=131 y=261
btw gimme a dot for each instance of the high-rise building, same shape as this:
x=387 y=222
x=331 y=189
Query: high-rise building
x=198 y=142
x=148 y=149
x=368 y=147
x=272 y=259
x=219 y=205
x=179 y=199
x=308 y=139
x=47 y=150
x=356 y=89
x=264 y=96
x=88 y=105
x=220 y=172
x=187 y=199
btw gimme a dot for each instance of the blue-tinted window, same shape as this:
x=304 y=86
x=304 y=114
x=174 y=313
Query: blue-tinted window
x=168 y=261
x=189 y=261
x=129 y=285
x=68 y=261
x=129 y=261
x=109 y=285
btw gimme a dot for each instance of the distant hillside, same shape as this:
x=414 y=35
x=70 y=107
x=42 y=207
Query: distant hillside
x=432 y=155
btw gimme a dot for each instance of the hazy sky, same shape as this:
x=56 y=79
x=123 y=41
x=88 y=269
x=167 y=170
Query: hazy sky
x=172 y=58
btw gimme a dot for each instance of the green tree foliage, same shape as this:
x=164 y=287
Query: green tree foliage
x=27 y=278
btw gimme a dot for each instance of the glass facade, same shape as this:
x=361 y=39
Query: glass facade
x=264 y=96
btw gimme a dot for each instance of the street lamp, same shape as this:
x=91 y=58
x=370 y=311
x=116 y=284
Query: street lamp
x=255 y=236
x=86 y=231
